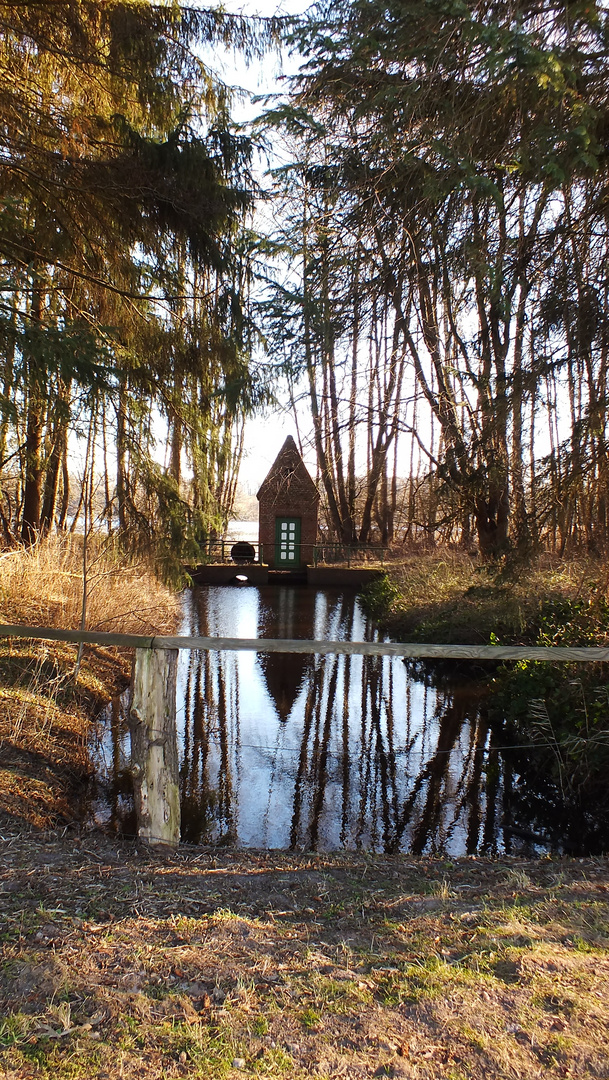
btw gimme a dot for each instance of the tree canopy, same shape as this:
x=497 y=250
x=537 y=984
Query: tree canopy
x=125 y=192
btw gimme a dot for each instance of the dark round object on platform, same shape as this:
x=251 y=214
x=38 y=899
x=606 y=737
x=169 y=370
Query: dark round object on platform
x=242 y=552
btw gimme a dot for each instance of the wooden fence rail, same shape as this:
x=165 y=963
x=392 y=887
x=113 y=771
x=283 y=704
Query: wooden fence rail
x=407 y=649
x=152 y=714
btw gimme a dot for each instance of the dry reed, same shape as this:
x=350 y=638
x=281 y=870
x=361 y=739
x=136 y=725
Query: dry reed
x=47 y=700
x=43 y=586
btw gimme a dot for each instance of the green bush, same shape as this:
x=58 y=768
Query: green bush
x=378 y=598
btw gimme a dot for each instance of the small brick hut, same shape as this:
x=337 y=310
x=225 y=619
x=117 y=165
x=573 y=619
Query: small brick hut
x=289 y=504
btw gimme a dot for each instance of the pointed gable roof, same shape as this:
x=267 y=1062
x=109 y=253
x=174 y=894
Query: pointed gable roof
x=288 y=474
x=284 y=680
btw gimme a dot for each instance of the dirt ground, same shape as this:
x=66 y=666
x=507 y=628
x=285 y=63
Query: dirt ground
x=119 y=962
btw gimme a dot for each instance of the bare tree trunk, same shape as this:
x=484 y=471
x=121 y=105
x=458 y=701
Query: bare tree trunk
x=8 y=388
x=65 y=487
x=121 y=457
x=107 y=497
x=86 y=467
x=320 y=448
x=53 y=470
x=522 y=533
x=32 y=498
x=175 y=459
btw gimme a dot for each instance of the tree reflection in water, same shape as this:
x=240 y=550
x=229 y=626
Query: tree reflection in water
x=293 y=751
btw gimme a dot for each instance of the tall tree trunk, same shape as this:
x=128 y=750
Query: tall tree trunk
x=522 y=533
x=175 y=458
x=121 y=457
x=32 y=498
x=53 y=470
x=8 y=387
x=320 y=447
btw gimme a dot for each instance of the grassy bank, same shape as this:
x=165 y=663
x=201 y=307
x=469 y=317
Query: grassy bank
x=45 y=705
x=119 y=964
x=449 y=596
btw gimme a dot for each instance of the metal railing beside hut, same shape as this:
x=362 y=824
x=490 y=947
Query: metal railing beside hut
x=320 y=554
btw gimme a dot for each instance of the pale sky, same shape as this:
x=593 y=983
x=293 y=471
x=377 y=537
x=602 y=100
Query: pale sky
x=266 y=434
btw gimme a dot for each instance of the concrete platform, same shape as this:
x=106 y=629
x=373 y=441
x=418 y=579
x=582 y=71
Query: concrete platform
x=226 y=573
x=348 y=577
x=315 y=576
x=288 y=577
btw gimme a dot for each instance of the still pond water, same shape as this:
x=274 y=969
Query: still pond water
x=329 y=753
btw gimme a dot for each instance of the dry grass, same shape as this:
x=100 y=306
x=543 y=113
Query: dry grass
x=45 y=716
x=43 y=586
x=45 y=707
x=115 y=963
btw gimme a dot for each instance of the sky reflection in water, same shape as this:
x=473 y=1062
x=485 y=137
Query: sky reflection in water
x=290 y=751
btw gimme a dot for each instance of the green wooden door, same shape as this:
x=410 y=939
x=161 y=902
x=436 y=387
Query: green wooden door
x=287 y=541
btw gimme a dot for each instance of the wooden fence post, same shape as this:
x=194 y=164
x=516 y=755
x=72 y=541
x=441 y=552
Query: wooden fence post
x=154 y=746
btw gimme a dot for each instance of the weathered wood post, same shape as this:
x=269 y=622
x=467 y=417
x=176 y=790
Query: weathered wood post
x=154 y=746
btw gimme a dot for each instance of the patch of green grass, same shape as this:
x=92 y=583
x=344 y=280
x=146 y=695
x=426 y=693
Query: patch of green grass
x=273 y=1061
x=582 y=945
x=260 y=1026
x=186 y=924
x=554 y=1003
x=519 y=910
x=379 y=597
x=391 y=927
x=9 y=969
x=226 y=915
x=156 y=993
x=332 y=910
x=14 y=1028
x=417 y=981
x=556 y=1051
x=493 y=955
x=209 y=1049
x=37 y=1053
x=74 y=1067
x=13 y=929
x=309 y=1018
x=127 y=1032
x=477 y=1039
x=338 y=996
